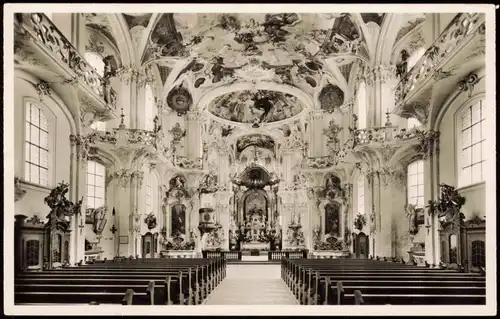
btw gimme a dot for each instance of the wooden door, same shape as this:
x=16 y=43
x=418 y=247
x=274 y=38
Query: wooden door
x=362 y=246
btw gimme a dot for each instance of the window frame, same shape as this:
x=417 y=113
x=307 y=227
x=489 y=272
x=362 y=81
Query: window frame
x=409 y=197
x=51 y=124
x=467 y=107
x=94 y=186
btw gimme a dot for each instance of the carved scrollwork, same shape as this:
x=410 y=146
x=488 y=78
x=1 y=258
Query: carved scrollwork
x=43 y=88
x=82 y=142
x=467 y=84
x=428 y=143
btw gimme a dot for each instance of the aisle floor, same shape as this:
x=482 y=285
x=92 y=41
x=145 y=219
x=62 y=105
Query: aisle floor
x=252 y=285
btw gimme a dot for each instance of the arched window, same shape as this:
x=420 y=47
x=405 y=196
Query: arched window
x=37 y=146
x=361 y=194
x=361 y=105
x=413 y=122
x=413 y=59
x=95 y=60
x=471 y=150
x=96 y=187
x=416 y=183
x=99 y=126
x=150 y=108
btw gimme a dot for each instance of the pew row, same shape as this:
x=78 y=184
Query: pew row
x=375 y=282
x=167 y=282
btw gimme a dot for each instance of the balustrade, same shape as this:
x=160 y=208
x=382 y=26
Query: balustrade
x=44 y=32
x=384 y=134
x=461 y=28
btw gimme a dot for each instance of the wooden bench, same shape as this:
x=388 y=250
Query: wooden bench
x=329 y=281
x=165 y=282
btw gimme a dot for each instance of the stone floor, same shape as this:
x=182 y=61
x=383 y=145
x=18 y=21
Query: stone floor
x=252 y=285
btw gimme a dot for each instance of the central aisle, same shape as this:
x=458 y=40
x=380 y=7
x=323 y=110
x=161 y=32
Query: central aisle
x=252 y=285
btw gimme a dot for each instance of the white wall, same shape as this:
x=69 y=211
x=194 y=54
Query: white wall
x=59 y=147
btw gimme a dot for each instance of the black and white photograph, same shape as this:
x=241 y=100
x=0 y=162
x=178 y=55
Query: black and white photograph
x=249 y=159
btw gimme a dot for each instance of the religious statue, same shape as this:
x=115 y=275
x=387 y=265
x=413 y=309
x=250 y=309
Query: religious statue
x=411 y=214
x=61 y=207
x=209 y=183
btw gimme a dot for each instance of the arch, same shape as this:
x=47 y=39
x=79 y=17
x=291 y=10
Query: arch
x=387 y=37
x=67 y=111
x=119 y=28
x=437 y=112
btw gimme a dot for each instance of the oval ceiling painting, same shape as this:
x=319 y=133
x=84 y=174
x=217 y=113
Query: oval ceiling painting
x=260 y=106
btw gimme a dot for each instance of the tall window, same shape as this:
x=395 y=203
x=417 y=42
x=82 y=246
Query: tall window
x=95 y=61
x=99 y=126
x=95 y=184
x=149 y=197
x=361 y=103
x=472 y=153
x=361 y=194
x=37 y=146
x=413 y=59
x=150 y=108
x=416 y=183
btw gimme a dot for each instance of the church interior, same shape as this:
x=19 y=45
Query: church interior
x=237 y=158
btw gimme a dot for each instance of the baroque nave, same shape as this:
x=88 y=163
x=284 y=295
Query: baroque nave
x=183 y=145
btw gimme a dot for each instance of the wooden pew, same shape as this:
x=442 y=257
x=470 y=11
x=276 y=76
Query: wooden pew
x=382 y=283
x=153 y=282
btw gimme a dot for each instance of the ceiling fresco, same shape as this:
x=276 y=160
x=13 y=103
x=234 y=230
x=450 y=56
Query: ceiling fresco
x=134 y=20
x=261 y=106
x=277 y=38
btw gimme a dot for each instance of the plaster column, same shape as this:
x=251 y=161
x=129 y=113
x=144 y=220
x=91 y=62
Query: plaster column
x=193 y=135
x=126 y=89
x=431 y=192
x=136 y=182
x=79 y=36
x=316 y=139
x=78 y=188
x=380 y=84
x=120 y=181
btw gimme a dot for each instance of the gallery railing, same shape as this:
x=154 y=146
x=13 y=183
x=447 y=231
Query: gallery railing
x=461 y=28
x=44 y=32
x=383 y=134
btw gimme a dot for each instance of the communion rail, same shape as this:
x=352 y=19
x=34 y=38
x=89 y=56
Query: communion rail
x=272 y=255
